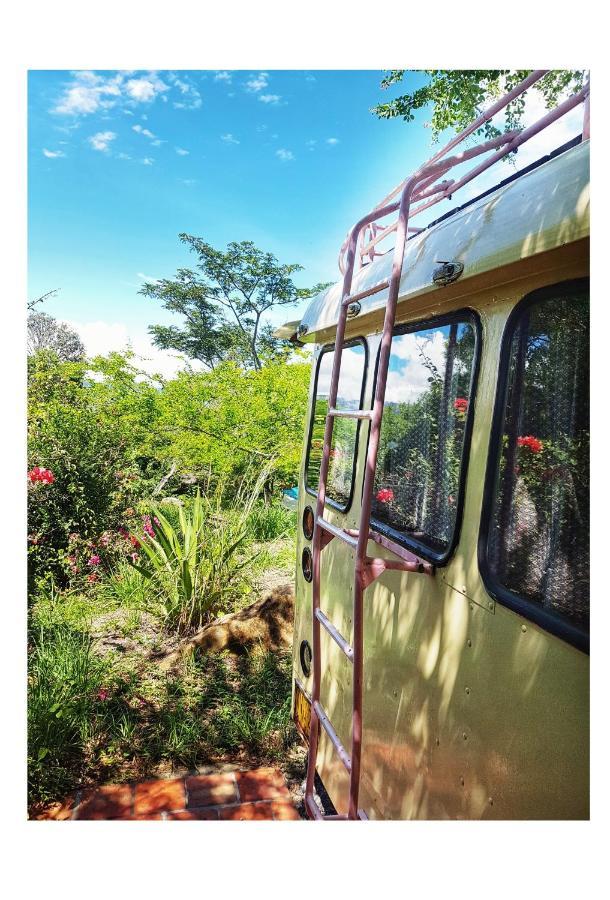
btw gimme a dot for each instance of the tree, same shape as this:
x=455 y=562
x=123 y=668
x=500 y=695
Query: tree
x=224 y=306
x=46 y=333
x=32 y=304
x=458 y=96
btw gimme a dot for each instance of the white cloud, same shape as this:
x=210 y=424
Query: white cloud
x=53 y=154
x=148 y=161
x=144 y=277
x=257 y=83
x=284 y=155
x=144 y=131
x=228 y=139
x=144 y=90
x=87 y=93
x=181 y=151
x=223 y=76
x=310 y=78
x=311 y=144
x=188 y=181
x=332 y=141
x=270 y=98
x=191 y=98
x=101 y=338
x=123 y=156
x=101 y=140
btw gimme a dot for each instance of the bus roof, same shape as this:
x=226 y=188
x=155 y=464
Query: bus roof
x=541 y=208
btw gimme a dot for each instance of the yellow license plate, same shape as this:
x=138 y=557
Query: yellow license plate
x=302 y=711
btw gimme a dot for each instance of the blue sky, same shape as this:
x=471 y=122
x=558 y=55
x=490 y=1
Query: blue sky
x=121 y=162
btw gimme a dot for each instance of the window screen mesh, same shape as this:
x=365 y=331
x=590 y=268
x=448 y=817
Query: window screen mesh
x=345 y=431
x=538 y=545
x=422 y=436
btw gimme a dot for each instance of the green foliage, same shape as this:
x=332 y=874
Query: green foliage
x=199 y=567
x=227 y=420
x=64 y=684
x=269 y=521
x=458 y=96
x=93 y=436
x=223 y=306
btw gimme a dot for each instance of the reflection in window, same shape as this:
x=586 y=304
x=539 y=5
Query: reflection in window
x=538 y=546
x=345 y=431
x=428 y=394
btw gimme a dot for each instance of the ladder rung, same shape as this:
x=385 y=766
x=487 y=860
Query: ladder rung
x=350 y=413
x=337 y=532
x=330 y=731
x=335 y=635
x=354 y=298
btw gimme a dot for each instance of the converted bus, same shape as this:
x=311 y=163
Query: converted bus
x=440 y=665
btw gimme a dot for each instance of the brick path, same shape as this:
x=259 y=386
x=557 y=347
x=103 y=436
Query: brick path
x=258 y=794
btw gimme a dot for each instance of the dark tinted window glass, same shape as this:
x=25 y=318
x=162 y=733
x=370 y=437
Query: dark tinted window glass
x=538 y=545
x=422 y=436
x=345 y=431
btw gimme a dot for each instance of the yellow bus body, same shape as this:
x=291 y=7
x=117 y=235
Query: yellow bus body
x=470 y=711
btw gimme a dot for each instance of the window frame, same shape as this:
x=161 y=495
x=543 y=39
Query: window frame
x=329 y=348
x=404 y=539
x=546 y=619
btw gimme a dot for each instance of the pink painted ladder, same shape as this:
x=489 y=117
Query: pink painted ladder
x=418 y=187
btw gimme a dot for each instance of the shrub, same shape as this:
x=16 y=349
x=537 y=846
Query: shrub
x=199 y=566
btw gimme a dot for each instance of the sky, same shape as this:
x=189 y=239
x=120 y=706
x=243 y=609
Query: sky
x=121 y=162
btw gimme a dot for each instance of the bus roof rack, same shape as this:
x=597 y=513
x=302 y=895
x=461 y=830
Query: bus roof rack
x=430 y=191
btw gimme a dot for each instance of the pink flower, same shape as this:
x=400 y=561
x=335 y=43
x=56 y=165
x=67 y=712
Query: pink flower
x=134 y=557
x=93 y=560
x=43 y=475
x=385 y=495
x=148 y=526
x=532 y=443
x=102 y=694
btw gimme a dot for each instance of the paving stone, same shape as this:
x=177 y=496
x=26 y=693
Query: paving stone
x=284 y=811
x=194 y=814
x=211 y=790
x=108 y=802
x=262 y=784
x=158 y=796
x=246 y=811
x=59 y=812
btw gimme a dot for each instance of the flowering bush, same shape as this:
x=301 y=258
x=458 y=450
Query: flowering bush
x=385 y=495
x=531 y=443
x=43 y=475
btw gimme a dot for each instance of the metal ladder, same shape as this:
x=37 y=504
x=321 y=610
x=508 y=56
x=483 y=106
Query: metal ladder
x=418 y=187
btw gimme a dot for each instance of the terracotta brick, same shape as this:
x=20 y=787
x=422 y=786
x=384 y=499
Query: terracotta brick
x=108 y=802
x=157 y=796
x=211 y=790
x=262 y=784
x=246 y=811
x=194 y=814
x=283 y=811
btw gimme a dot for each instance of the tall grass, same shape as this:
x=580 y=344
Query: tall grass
x=64 y=681
x=270 y=521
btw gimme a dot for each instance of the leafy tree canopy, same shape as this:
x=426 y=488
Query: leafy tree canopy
x=458 y=96
x=46 y=333
x=224 y=302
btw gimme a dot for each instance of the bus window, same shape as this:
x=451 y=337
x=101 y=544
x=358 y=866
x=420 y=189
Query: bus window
x=538 y=505
x=424 y=434
x=345 y=431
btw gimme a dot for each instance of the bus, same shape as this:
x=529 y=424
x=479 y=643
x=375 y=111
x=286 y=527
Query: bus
x=440 y=663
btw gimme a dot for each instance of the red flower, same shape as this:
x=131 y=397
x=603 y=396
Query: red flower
x=532 y=443
x=460 y=404
x=134 y=540
x=385 y=495
x=39 y=474
x=93 y=578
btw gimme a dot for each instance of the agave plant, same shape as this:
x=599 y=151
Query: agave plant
x=200 y=564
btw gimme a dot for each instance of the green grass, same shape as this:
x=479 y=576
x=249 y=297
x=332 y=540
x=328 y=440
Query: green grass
x=270 y=521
